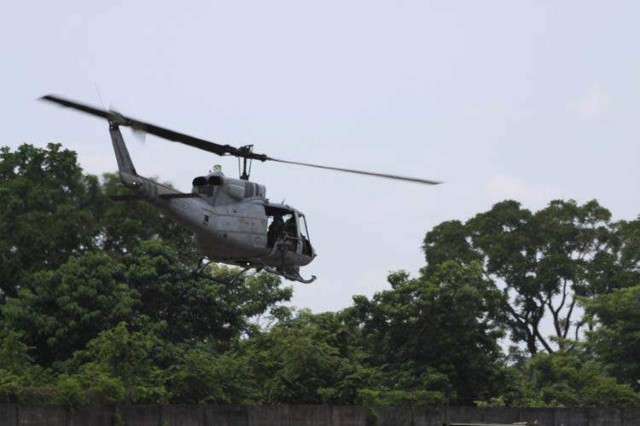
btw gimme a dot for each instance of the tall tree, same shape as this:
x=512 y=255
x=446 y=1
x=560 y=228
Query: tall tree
x=194 y=307
x=543 y=262
x=51 y=210
x=437 y=332
x=47 y=211
x=59 y=311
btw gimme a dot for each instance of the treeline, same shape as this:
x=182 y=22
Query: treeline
x=99 y=304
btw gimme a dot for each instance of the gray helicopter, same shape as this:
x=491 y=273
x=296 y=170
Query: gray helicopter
x=233 y=221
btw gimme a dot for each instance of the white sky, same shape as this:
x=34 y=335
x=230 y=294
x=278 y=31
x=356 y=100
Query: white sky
x=530 y=100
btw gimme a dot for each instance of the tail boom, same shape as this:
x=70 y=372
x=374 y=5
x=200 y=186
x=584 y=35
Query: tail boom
x=125 y=165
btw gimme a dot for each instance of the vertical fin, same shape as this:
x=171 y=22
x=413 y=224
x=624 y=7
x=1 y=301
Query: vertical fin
x=125 y=165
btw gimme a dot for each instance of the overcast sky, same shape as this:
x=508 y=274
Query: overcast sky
x=528 y=100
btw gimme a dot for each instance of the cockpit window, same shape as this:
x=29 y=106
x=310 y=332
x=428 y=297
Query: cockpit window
x=304 y=233
x=287 y=226
x=282 y=227
x=290 y=226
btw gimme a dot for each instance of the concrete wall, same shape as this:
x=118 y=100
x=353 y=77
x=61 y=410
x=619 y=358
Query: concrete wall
x=306 y=415
x=396 y=416
x=8 y=415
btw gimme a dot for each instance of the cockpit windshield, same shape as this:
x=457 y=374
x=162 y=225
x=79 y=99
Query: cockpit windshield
x=303 y=226
x=304 y=233
x=287 y=226
x=281 y=226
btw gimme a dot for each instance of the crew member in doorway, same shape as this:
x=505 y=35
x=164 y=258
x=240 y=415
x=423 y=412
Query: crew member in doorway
x=275 y=230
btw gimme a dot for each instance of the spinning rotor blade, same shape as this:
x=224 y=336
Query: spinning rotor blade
x=361 y=172
x=162 y=132
x=242 y=152
x=80 y=107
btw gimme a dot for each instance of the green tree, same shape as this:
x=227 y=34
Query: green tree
x=308 y=359
x=196 y=307
x=17 y=368
x=616 y=340
x=52 y=210
x=120 y=365
x=436 y=333
x=200 y=375
x=47 y=212
x=543 y=262
x=59 y=311
x=572 y=379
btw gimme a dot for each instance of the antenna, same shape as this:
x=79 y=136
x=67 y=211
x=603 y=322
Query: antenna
x=99 y=96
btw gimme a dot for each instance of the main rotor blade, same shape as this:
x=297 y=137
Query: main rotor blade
x=155 y=130
x=243 y=152
x=361 y=172
x=75 y=105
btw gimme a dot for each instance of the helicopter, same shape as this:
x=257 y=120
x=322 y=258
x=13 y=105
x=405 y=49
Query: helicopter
x=232 y=219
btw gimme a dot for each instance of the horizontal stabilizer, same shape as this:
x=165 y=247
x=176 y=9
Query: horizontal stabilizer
x=173 y=196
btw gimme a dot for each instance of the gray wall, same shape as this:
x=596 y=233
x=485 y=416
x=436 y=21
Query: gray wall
x=305 y=415
x=393 y=416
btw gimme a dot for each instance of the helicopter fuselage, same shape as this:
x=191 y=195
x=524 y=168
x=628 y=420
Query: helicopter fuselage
x=231 y=218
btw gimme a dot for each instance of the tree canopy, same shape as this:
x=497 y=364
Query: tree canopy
x=99 y=304
x=543 y=262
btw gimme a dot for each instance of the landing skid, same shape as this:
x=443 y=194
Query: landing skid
x=204 y=266
x=295 y=276
x=290 y=275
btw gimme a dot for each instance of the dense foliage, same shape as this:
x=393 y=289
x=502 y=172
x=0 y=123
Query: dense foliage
x=99 y=303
